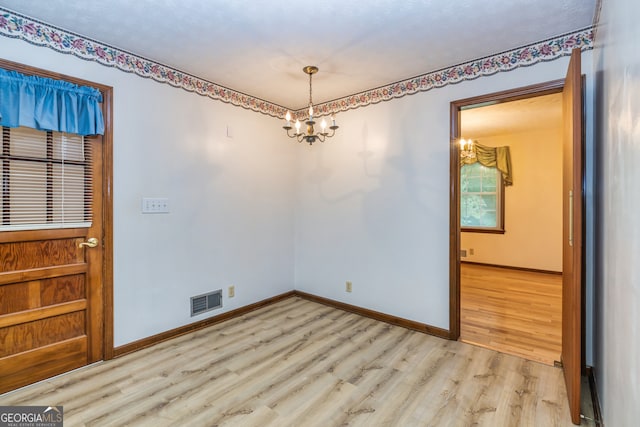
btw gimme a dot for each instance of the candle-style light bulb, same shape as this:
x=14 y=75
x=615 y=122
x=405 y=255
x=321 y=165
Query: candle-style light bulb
x=333 y=120
x=462 y=144
x=297 y=126
x=310 y=112
x=323 y=125
x=288 y=117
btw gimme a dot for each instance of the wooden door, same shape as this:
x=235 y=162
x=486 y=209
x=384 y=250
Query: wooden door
x=572 y=234
x=51 y=294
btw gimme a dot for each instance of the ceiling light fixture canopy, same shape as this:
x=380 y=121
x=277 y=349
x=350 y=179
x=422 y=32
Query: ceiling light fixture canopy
x=310 y=135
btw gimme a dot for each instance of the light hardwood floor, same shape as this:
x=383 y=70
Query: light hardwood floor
x=299 y=363
x=512 y=311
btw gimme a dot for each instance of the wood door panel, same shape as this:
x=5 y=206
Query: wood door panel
x=31 y=335
x=45 y=302
x=35 y=365
x=16 y=297
x=572 y=234
x=62 y=289
x=36 y=254
x=44 y=306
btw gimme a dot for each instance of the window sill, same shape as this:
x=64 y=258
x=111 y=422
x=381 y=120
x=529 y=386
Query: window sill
x=481 y=230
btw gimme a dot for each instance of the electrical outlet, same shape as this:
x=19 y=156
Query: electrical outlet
x=232 y=291
x=348 y=286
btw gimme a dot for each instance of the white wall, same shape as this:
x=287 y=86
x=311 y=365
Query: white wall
x=370 y=206
x=533 y=205
x=231 y=219
x=617 y=364
x=373 y=206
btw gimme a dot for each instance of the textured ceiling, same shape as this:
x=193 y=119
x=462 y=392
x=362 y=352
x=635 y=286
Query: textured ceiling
x=512 y=117
x=259 y=47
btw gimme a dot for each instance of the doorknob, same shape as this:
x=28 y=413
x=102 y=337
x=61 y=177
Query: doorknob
x=91 y=242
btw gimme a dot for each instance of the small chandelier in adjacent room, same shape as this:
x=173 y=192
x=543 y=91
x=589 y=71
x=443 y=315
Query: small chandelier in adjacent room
x=310 y=135
x=466 y=149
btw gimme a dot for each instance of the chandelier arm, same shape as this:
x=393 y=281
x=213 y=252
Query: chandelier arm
x=288 y=133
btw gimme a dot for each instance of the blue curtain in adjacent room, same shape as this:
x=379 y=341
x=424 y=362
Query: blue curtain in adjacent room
x=47 y=104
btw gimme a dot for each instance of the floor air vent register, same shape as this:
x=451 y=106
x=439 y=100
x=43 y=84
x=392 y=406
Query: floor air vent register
x=206 y=302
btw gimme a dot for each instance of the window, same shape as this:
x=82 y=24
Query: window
x=46 y=180
x=481 y=199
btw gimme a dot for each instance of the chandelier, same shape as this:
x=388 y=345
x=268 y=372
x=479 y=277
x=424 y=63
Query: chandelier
x=466 y=149
x=310 y=135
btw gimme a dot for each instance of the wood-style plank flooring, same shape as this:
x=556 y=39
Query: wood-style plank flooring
x=299 y=363
x=512 y=311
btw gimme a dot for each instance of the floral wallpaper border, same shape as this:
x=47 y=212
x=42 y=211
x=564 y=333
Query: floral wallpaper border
x=544 y=51
x=17 y=26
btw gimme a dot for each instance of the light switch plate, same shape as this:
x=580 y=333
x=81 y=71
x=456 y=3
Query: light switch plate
x=152 y=205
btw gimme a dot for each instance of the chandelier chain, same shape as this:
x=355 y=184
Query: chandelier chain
x=310 y=89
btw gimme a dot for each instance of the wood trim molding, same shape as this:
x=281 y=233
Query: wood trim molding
x=35 y=314
x=454 y=223
x=539 y=89
x=28 y=69
x=107 y=222
x=173 y=333
x=31 y=236
x=41 y=273
x=509 y=267
x=481 y=230
x=595 y=399
x=546 y=88
x=387 y=318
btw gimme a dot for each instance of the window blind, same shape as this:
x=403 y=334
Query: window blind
x=46 y=180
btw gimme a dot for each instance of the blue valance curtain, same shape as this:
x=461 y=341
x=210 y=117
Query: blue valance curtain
x=48 y=104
